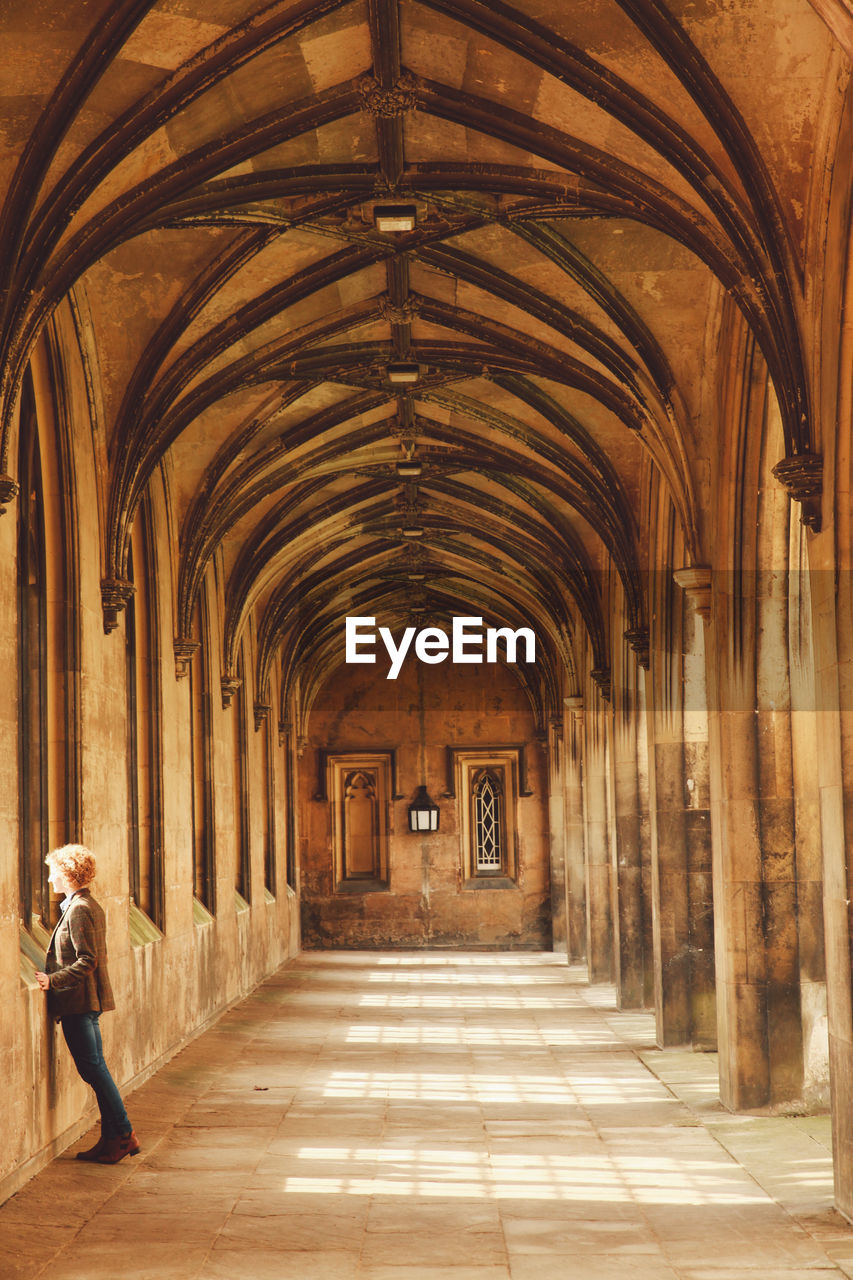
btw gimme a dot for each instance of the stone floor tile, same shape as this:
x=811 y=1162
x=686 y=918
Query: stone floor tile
x=272 y=1264
x=757 y=1272
x=617 y=1239
x=434 y=1249
x=400 y=1271
x=393 y=1215
x=152 y=1261
x=288 y=1231
x=590 y=1267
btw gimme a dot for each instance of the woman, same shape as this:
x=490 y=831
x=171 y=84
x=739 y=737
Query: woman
x=78 y=992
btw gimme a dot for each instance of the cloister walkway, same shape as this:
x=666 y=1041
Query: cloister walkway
x=435 y=1116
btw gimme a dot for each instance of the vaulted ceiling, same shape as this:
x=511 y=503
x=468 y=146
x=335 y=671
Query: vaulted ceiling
x=588 y=178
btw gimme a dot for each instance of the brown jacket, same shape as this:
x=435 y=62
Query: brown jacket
x=76 y=961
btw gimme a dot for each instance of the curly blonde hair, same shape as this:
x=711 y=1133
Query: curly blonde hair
x=75 y=861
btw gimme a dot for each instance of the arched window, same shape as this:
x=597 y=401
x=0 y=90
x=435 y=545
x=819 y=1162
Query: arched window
x=267 y=776
x=143 y=728
x=487 y=785
x=487 y=798
x=32 y=669
x=240 y=758
x=201 y=762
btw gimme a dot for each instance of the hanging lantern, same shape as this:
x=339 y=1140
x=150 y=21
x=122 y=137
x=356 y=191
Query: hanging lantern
x=423 y=813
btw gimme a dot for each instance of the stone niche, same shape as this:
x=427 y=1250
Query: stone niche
x=482 y=879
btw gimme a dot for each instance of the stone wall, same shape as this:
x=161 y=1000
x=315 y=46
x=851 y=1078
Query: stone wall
x=429 y=901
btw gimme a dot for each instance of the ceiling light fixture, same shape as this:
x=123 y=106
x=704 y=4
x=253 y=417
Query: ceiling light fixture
x=409 y=467
x=402 y=372
x=413 y=531
x=395 y=217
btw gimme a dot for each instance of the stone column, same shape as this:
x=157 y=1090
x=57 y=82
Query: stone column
x=625 y=852
x=832 y=611
x=681 y=861
x=670 y=896
x=557 y=837
x=575 y=841
x=599 y=913
x=757 y=964
x=697 y=831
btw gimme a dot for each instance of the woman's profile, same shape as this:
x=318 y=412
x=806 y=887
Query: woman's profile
x=78 y=992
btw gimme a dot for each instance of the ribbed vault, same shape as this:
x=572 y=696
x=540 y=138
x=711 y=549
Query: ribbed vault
x=200 y=181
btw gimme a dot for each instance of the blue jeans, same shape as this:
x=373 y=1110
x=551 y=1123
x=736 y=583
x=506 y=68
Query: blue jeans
x=83 y=1037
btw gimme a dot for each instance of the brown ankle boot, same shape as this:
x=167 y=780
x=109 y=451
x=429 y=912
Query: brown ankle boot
x=116 y=1148
x=93 y=1152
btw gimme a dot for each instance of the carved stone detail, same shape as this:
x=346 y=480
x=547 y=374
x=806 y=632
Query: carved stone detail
x=601 y=677
x=115 y=593
x=184 y=651
x=389 y=103
x=403 y=313
x=8 y=490
x=262 y=710
x=229 y=685
x=638 y=639
x=801 y=476
x=695 y=582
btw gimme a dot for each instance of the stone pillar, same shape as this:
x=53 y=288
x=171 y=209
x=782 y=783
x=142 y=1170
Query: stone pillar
x=644 y=799
x=599 y=912
x=680 y=821
x=757 y=963
x=832 y=611
x=557 y=838
x=575 y=838
x=670 y=895
x=697 y=831
x=625 y=852
x=805 y=729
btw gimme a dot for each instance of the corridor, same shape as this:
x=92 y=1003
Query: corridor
x=435 y=1116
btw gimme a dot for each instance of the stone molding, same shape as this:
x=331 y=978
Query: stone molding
x=601 y=677
x=399 y=313
x=229 y=685
x=184 y=651
x=695 y=582
x=638 y=639
x=115 y=593
x=801 y=476
x=388 y=104
x=262 y=710
x=8 y=491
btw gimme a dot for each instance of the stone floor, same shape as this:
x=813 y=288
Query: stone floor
x=433 y=1116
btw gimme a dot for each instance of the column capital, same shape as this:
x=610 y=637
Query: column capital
x=638 y=639
x=695 y=582
x=801 y=476
x=184 y=649
x=8 y=491
x=601 y=677
x=229 y=685
x=115 y=593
